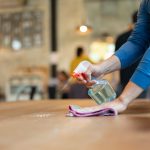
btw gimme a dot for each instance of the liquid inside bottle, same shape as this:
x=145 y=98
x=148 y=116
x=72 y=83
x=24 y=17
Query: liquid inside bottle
x=102 y=92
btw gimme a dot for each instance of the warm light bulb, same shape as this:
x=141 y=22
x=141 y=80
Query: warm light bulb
x=83 y=28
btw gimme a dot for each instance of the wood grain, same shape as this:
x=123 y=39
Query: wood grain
x=42 y=125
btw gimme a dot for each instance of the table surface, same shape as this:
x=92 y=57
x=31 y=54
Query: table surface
x=42 y=125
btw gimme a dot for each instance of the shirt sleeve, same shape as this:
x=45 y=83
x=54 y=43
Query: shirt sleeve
x=141 y=77
x=139 y=40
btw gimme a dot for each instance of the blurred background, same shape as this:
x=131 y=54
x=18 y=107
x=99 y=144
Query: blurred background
x=41 y=42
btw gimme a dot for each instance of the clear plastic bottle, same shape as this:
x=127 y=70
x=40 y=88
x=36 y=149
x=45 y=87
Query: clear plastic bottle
x=102 y=92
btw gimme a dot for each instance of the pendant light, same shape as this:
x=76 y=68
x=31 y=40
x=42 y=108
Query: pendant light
x=84 y=28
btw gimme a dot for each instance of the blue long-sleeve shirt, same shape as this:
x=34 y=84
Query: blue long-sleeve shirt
x=138 y=45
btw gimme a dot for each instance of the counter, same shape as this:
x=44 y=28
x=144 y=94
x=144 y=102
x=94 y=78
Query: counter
x=42 y=125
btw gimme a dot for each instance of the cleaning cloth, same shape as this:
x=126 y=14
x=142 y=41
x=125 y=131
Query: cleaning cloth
x=77 y=111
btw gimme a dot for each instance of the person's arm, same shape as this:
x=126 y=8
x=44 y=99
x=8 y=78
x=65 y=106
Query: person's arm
x=128 y=53
x=107 y=66
x=138 y=82
x=130 y=92
x=95 y=70
x=139 y=40
x=121 y=103
x=141 y=76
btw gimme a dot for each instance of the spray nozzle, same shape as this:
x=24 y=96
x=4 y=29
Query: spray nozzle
x=83 y=69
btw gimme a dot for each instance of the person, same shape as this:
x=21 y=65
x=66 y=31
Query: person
x=76 y=87
x=80 y=56
x=126 y=73
x=62 y=88
x=137 y=46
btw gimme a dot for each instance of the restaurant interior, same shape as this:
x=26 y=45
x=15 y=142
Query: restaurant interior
x=40 y=46
x=40 y=38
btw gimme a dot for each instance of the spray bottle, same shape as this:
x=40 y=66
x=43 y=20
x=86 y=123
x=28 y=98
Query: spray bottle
x=101 y=91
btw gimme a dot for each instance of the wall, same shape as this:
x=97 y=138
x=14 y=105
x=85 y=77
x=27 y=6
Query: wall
x=10 y=61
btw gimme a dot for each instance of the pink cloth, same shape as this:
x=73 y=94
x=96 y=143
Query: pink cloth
x=76 y=111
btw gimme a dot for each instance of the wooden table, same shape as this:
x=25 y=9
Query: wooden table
x=42 y=125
